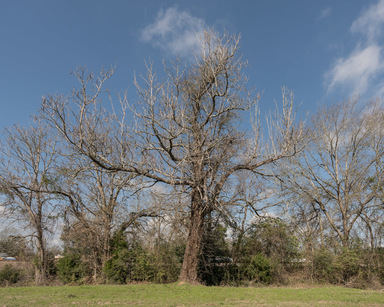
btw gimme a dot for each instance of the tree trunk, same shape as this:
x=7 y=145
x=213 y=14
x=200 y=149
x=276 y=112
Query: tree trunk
x=345 y=240
x=39 y=277
x=41 y=264
x=106 y=248
x=321 y=232
x=188 y=272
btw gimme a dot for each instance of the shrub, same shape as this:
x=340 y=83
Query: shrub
x=116 y=269
x=141 y=265
x=133 y=264
x=215 y=258
x=339 y=268
x=322 y=266
x=70 y=269
x=166 y=262
x=10 y=275
x=381 y=275
x=347 y=265
x=258 y=269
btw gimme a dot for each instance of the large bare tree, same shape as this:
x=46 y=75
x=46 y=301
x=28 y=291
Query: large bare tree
x=185 y=131
x=27 y=166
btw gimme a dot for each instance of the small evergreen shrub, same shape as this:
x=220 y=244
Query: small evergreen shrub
x=133 y=264
x=166 y=261
x=141 y=265
x=258 y=269
x=116 y=269
x=70 y=269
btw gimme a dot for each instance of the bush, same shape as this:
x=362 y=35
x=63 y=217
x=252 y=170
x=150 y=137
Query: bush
x=10 y=275
x=339 y=268
x=221 y=273
x=381 y=275
x=116 y=269
x=347 y=265
x=323 y=266
x=273 y=239
x=166 y=261
x=133 y=264
x=141 y=265
x=215 y=259
x=70 y=269
x=258 y=269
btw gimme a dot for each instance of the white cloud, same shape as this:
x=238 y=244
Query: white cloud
x=370 y=22
x=175 y=31
x=357 y=69
x=361 y=68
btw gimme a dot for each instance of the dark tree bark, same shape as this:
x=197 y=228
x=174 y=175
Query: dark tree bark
x=192 y=250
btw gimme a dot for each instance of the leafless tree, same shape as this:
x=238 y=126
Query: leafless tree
x=184 y=131
x=98 y=203
x=94 y=200
x=338 y=175
x=15 y=244
x=27 y=166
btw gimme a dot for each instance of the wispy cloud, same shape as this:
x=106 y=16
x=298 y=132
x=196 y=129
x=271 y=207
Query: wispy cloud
x=371 y=22
x=363 y=67
x=325 y=13
x=357 y=69
x=175 y=31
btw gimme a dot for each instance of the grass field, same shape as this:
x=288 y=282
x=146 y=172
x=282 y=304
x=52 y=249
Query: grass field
x=186 y=295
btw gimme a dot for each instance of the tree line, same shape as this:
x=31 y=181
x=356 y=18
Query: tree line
x=175 y=186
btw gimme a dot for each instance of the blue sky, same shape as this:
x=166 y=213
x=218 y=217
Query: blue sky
x=324 y=50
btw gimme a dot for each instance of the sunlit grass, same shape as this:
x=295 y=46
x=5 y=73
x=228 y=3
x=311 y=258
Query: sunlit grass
x=186 y=295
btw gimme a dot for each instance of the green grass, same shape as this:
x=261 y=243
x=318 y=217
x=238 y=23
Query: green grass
x=186 y=295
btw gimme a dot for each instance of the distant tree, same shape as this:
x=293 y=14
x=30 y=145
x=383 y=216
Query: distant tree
x=95 y=200
x=27 y=166
x=14 y=244
x=338 y=177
